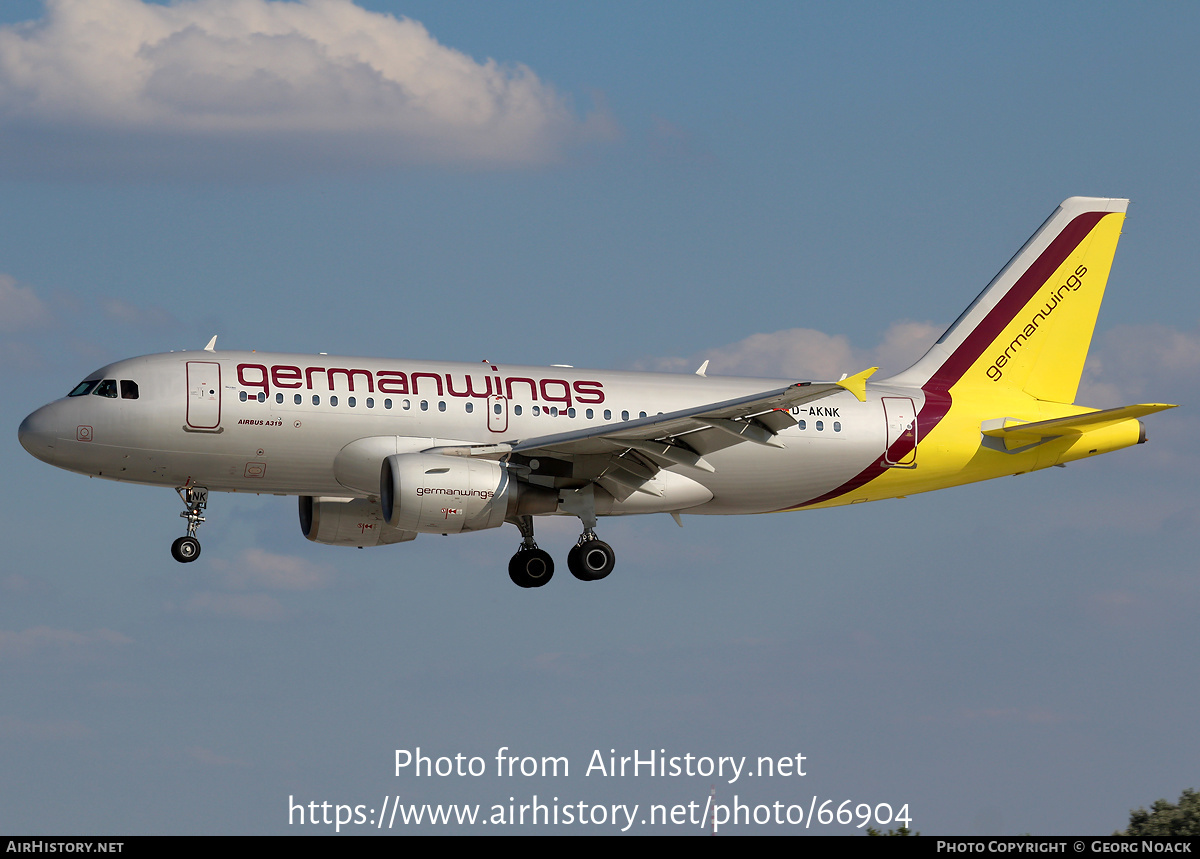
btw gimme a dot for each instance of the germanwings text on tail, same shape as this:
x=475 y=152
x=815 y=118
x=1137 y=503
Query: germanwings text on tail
x=379 y=451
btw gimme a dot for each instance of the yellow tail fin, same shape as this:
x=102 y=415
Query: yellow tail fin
x=1030 y=328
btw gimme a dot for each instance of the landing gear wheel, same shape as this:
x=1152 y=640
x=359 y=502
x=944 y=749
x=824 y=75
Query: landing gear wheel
x=591 y=560
x=531 y=568
x=185 y=550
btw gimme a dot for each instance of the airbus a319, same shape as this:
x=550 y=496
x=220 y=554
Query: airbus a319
x=382 y=450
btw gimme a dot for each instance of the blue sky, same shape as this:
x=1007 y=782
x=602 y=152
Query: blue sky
x=653 y=185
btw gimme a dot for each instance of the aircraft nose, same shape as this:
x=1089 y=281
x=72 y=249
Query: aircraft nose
x=37 y=435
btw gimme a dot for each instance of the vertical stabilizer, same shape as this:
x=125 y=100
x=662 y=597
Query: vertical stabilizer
x=1030 y=328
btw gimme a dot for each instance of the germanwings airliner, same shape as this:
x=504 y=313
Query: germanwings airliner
x=381 y=450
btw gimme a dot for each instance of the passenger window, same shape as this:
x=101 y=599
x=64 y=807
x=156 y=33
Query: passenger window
x=129 y=390
x=279 y=398
x=624 y=414
x=243 y=396
x=837 y=426
x=441 y=405
x=820 y=426
x=517 y=410
x=107 y=388
x=316 y=400
x=333 y=400
x=470 y=407
x=554 y=411
x=262 y=396
x=370 y=402
x=641 y=414
x=424 y=405
x=537 y=410
x=84 y=388
x=570 y=413
x=351 y=401
x=387 y=404
x=803 y=424
x=608 y=414
x=298 y=399
x=590 y=414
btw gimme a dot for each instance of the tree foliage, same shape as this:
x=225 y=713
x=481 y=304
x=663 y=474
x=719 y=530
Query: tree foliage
x=1165 y=818
x=903 y=830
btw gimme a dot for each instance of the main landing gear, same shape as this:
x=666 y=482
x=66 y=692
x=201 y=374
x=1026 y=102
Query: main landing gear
x=195 y=499
x=530 y=567
x=589 y=560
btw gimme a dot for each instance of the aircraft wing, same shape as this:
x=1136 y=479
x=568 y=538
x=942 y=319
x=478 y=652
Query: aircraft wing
x=623 y=456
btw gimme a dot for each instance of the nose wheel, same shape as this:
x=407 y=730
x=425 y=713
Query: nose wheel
x=185 y=549
x=195 y=499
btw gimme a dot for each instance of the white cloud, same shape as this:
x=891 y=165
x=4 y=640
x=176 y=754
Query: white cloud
x=48 y=731
x=138 y=316
x=808 y=354
x=673 y=143
x=244 y=606
x=1134 y=362
x=209 y=758
x=321 y=80
x=44 y=639
x=20 y=308
x=255 y=568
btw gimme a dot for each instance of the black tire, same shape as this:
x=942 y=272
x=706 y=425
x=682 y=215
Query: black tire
x=185 y=550
x=591 y=560
x=531 y=568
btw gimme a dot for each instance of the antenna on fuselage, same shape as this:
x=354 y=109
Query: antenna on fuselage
x=212 y=344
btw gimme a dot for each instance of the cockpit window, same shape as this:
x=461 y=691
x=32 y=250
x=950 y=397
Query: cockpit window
x=84 y=388
x=129 y=390
x=107 y=388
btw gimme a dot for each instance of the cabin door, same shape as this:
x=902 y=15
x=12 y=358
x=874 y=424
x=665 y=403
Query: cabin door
x=901 y=417
x=204 y=395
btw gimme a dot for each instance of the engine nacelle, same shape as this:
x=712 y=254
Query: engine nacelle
x=437 y=494
x=348 y=522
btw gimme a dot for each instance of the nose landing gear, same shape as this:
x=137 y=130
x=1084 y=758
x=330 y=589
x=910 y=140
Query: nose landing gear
x=195 y=499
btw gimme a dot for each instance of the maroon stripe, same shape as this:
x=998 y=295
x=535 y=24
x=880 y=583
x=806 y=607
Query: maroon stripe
x=936 y=405
x=1018 y=295
x=937 y=389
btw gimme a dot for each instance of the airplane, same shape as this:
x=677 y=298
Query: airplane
x=379 y=450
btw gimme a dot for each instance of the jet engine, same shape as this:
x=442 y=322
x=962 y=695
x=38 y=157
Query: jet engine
x=437 y=494
x=348 y=522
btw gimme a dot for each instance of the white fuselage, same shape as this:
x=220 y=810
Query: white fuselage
x=276 y=423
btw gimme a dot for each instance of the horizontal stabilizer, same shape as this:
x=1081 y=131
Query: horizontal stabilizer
x=1071 y=425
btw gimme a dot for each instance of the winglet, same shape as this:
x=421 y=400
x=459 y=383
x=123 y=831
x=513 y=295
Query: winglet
x=703 y=369
x=212 y=344
x=857 y=384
